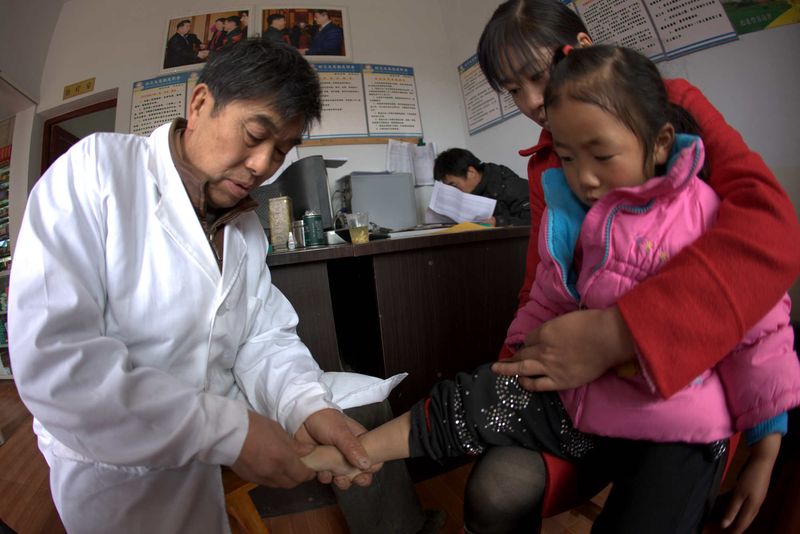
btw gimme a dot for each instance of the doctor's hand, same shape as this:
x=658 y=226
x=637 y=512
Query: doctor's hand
x=570 y=350
x=331 y=427
x=270 y=456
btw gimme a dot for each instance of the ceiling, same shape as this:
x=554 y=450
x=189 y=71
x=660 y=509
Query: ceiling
x=12 y=101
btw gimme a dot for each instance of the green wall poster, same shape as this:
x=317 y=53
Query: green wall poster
x=752 y=15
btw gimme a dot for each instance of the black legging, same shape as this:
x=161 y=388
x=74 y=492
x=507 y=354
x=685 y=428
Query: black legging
x=504 y=492
x=658 y=487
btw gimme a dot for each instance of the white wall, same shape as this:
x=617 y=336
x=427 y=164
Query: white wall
x=25 y=154
x=407 y=33
x=753 y=82
x=464 y=22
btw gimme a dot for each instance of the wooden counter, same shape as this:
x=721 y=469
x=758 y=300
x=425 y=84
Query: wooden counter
x=430 y=305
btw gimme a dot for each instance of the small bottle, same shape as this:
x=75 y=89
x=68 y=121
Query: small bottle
x=290 y=242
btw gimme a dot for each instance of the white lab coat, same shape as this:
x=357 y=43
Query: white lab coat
x=135 y=355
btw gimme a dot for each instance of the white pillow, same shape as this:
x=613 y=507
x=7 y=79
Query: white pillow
x=352 y=389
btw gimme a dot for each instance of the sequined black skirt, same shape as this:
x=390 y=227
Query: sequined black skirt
x=481 y=409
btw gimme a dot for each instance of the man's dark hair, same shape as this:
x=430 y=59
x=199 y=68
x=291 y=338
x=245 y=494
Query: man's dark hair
x=183 y=23
x=522 y=34
x=322 y=12
x=221 y=19
x=234 y=18
x=275 y=16
x=244 y=14
x=455 y=162
x=273 y=73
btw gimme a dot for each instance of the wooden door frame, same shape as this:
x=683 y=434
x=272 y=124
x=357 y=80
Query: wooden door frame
x=49 y=123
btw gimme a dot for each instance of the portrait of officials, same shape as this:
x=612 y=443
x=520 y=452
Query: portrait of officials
x=315 y=32
x=191 y=39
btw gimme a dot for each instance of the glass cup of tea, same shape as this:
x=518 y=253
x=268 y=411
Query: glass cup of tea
x=358 y=225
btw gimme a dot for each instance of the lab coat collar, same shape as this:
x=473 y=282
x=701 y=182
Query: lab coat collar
x=175 y=211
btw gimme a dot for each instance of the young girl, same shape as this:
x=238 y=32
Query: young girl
x=609 y=225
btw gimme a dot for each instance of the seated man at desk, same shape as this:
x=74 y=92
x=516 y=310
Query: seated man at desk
x=461 y=169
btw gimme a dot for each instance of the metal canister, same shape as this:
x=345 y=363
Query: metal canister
x=280 y=221
x=314 y=235
x=298 y=231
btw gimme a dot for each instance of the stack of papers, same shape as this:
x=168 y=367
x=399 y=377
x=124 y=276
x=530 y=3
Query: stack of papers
x=449 y=202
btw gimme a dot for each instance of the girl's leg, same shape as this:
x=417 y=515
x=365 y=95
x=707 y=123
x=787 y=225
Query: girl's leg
x=504 y=492
x=481 y=409
x=659 y=487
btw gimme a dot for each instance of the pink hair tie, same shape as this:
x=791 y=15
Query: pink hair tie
x=566 y=50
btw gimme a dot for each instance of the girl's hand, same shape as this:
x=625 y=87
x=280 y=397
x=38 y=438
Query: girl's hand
x=751 y=488
x=570 y=350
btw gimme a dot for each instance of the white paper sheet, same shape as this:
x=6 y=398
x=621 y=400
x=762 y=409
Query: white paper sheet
x=398 y=156
x=431 y=217
x=415 y=160
x=461 y=207
x=423 y=159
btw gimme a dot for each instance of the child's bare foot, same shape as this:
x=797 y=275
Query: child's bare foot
x=328 y=458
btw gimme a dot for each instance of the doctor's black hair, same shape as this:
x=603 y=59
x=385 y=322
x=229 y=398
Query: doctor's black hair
x=624 y=83
x=455 y=161
x=274 y=74
x=519 y=37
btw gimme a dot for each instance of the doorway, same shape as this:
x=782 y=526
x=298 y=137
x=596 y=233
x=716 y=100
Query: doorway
x=63 y=131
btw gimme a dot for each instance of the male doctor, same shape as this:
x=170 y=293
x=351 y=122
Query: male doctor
x=146 y=337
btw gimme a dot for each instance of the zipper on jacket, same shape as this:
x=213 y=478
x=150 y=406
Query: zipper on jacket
x=214 y=248
x=638 y=210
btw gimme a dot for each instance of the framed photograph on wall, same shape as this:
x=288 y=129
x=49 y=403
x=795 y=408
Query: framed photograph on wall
x=190 y=39
x=322 y=34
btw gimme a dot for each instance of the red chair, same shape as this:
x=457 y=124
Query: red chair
x=567 y=487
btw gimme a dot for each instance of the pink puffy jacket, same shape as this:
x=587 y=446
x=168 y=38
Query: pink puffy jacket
x=625 y=237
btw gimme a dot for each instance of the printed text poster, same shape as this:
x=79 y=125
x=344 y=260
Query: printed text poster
x=160 y=100
x=391 y=98
x=343 y=101
x=483 y=105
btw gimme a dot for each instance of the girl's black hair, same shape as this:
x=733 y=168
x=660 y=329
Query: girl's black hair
x=519 y=39
x=623 y=83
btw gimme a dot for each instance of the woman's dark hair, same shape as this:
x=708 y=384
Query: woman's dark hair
x=275 y=74
x=623 y=83
x=523 y=34
x=455 y=161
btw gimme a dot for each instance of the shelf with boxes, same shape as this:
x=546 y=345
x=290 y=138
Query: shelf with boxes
x=5 y=363
x=5 y=261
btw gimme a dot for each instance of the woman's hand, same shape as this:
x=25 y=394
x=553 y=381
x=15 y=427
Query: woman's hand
x=571 y=350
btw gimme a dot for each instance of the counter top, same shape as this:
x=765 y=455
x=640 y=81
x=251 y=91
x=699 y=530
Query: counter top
x=393 y=244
